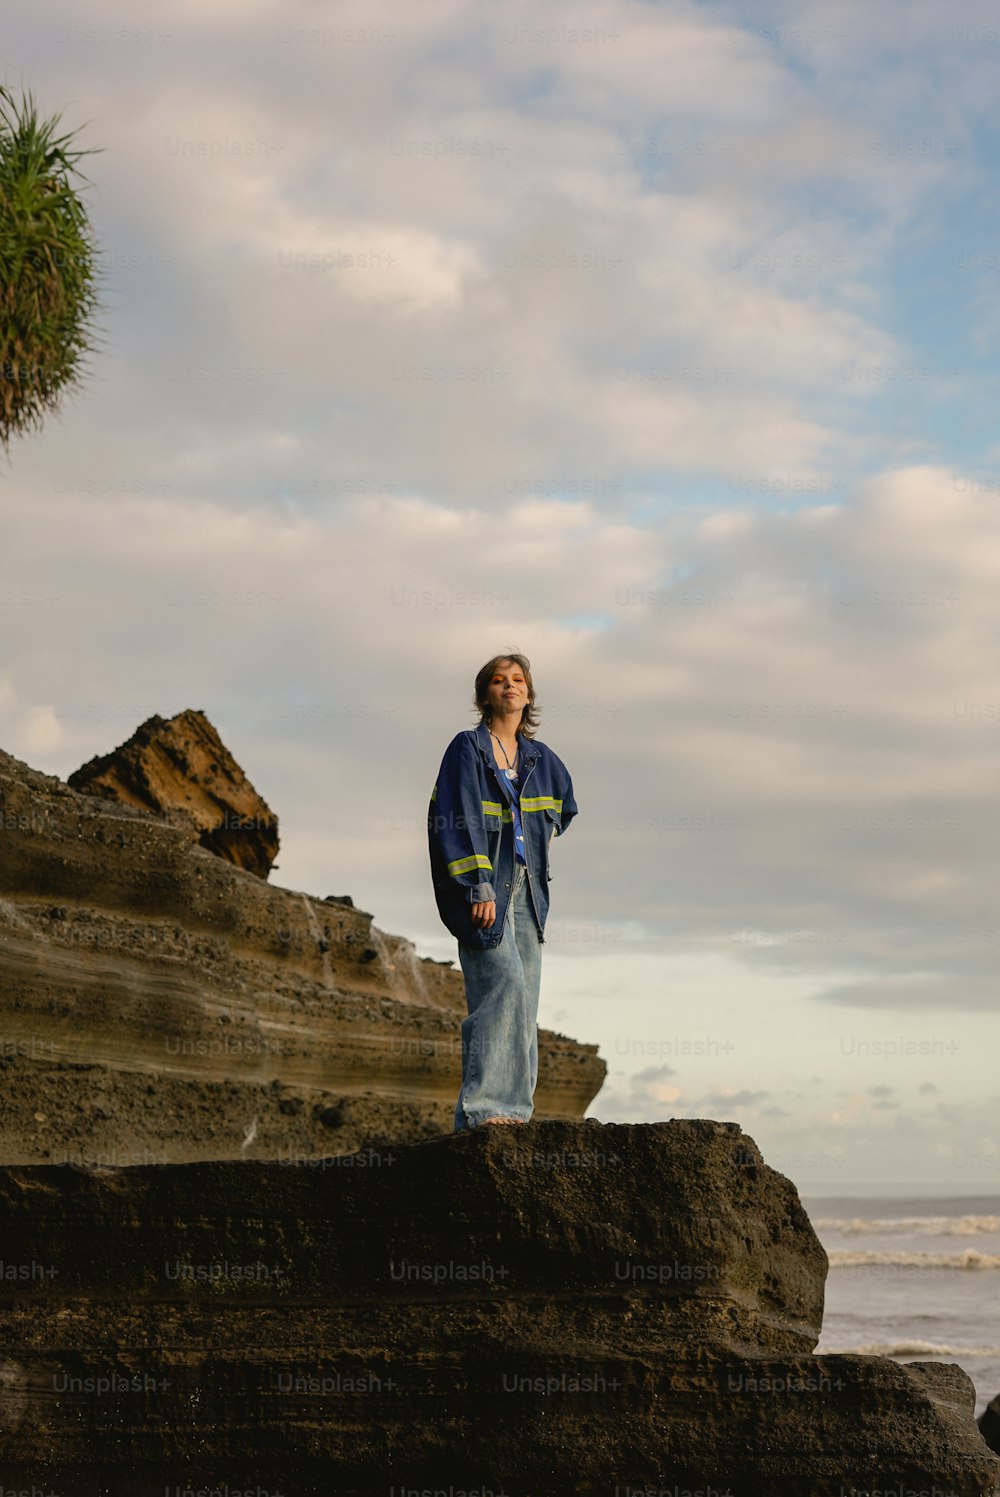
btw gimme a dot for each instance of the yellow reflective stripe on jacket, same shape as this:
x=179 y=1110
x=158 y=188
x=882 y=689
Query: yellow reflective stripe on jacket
x=490 y=807
x=474 y=860
x=540 y=803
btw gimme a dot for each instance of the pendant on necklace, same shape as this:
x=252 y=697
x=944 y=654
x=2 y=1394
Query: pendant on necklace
x=511 y=774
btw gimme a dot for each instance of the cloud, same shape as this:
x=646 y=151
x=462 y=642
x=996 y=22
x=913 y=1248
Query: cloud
x=640 y=1096
x=41 y=730
x=456 y=296
x=651 y=1075
x=582 y=344
x=919 y=992
x=775 y=693
x=720 y=1101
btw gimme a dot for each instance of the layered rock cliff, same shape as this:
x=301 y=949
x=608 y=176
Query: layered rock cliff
x=159 y=1004
x=241 y=1251
x=562 y=1308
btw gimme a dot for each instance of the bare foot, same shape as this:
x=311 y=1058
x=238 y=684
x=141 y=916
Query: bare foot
x=487 y=1121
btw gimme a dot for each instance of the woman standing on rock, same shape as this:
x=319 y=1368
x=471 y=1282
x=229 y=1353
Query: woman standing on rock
x=499 y=797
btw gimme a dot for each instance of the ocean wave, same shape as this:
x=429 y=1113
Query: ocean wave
x=970 y=1259
x=937 y=1226
x=909 y=1349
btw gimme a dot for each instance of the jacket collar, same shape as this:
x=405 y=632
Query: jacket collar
x=529 y=751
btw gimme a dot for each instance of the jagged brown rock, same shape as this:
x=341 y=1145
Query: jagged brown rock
x=563 y=1308
x=180 y=766
x=158 y=1003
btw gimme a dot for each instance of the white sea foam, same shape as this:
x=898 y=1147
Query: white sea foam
x=970 y=1259
x=931 y=1226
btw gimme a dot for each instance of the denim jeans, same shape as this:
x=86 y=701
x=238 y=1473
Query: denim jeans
x=500 y=1032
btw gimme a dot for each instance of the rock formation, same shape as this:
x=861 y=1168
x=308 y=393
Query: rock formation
x=159 y=1004
x=241 y=1250
x=562 y=1308
x=180 y=767
x=989 y=1424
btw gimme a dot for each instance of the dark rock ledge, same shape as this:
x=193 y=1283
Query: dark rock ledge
x=563 y=1308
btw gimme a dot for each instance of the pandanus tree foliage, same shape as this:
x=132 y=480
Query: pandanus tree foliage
x=48 y=267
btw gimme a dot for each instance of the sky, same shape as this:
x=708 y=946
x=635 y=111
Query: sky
x=656 y=341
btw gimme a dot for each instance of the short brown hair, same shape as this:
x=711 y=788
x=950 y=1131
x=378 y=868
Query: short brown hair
x=529 y=717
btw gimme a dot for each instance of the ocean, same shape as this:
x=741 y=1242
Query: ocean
x=916 y=1278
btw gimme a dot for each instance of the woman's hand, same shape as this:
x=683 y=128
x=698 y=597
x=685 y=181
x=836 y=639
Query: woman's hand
x=483 y=915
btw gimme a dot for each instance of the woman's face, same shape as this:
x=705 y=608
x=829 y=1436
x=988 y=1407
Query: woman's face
x=507 y=691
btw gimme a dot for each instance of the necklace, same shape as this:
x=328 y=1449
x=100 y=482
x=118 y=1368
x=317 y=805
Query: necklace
x=510 y=771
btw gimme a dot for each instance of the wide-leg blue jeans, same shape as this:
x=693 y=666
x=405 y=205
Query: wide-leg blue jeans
x=500 y=1032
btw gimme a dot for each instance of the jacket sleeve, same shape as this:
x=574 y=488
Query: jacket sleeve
x=569 y=806
x=456 y=824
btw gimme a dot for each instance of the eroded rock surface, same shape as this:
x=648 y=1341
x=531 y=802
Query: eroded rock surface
x=179 y=766
x=159 y=1004
x=562 y=1308
x=321 y=1305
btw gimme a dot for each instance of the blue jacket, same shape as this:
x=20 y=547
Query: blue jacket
x=472 y=862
